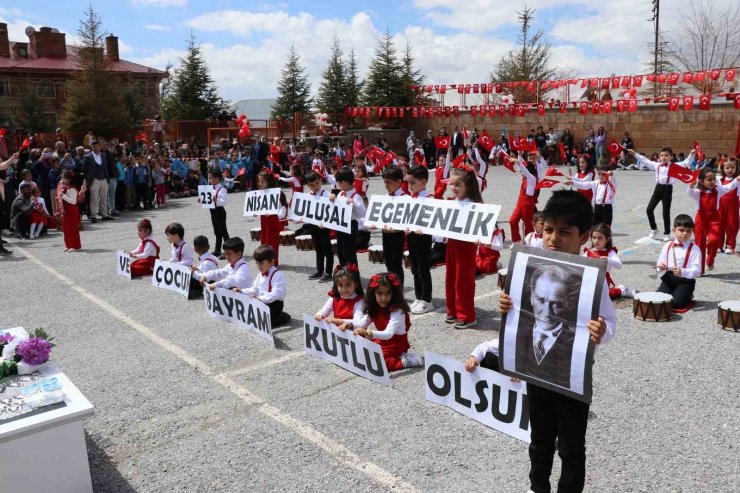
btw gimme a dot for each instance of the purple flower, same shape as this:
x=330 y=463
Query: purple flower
x=6 y=338
x=34 y=351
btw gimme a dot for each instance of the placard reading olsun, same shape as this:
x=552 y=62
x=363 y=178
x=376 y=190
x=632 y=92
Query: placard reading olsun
x=544 y=339
x=447 y=218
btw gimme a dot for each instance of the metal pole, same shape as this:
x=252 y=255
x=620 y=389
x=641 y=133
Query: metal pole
x=656 y=10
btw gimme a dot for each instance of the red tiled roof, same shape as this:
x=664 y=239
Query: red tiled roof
x=68 y=63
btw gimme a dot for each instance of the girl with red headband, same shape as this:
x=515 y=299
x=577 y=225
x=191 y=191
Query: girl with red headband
x=147 y=253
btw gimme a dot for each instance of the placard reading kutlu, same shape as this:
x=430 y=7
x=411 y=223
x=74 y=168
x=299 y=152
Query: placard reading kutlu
x=447 y=218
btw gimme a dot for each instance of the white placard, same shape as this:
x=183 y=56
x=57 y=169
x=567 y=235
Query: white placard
x=262 y=202
x=172 y=277
x=356 y=354
x=123 y=264
x=240 y=309
x=207 y=196
x=313 y=209
x=447 y=218
x=483 y=395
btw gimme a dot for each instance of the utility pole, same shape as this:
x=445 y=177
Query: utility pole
x=656 y=21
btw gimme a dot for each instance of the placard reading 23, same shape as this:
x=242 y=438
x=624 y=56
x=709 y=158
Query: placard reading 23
x=446 y=218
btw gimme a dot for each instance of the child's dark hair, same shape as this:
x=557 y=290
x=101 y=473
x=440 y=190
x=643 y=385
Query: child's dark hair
x=537 y=217
x=264 y=252
x=683 y=221
x=732 y=160
x=349 y=273
x=310 y=177
x=216 y=173
x=472 y=190
x=391 y=281
x=201 y=242
x=604 y=168
x=393 y=174
x=589 y=164
x=67 y=174
x=345 y=175
x=668 y=150
x=297 y=170
x=145 y=224
x=570 y=207
x=26 y=172
x=269 y=178
x=706 y=171
x=175 y=229
x=360 y=166
x=419 y=173
x=234 y=244
x=605 y=230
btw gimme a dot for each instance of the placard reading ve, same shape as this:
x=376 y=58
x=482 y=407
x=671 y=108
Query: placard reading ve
x=123 y=264
x=447 y=218
x=312 y=209
x=262 y=202
x=172 y=277
x=240 y=309
x=483 y=395
x=207 y=196
x=356 y=354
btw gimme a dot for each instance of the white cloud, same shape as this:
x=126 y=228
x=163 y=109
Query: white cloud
x=160 y=3
x=157 y=27
x=124 y=48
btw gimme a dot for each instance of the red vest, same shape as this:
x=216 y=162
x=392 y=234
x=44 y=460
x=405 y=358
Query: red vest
x=708 y=201
x=344 y=309
x=398 y=343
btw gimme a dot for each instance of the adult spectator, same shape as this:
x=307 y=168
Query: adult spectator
x=600 y=142
x=540 y=140
x=96 y=176
x=20 y=211
x=627 y=142
x=567 y=140
x=40 y=171
x=111 y=159
x=59 y=149
x=260 y=150
x=158 y=129
x=410 y=143
x=430 y=150
x=457 y=142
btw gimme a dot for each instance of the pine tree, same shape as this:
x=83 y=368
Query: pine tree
x=385 y=77
x=333 y=85
x=30 y=112
x=531 y=61
x=294 y=90
x=193 y=94
x=411 y=77
x=93 y=94
x=352 y=84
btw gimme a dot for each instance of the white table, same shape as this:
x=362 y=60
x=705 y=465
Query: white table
x=47 y=452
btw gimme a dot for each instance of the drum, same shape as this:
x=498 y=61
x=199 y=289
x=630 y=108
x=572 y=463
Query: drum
x=334 y=247
x=501 y=281
x=304 y=242
x=287 y=237
x=255 y=233
x=652 y=307
x=728 y=315
x=375 y=254
x=406 y=259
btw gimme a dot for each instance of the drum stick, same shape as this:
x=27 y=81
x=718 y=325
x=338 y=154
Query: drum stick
x=675 y=264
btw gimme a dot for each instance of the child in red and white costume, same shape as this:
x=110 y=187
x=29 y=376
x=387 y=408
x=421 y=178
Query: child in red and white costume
x=317 y=165
x=487 y=257
x=603 y=192
x=386 y=309
x=147 y=253
x=525 y=204
x=585 y=173
x=39 y=214
x=182 y=253
x=602 y=248
x=295 y=178
x=271 y=224
x=706 y=194
x=729 y=207
x=534 y=239
x=346 y=301
x=362 y=181
x=482 y=167
x=442 y=175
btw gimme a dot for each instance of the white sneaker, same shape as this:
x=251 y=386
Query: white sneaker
x=653 y=234
x=627 y=292
x=422 y=307
x=411 y=360
x=666 y=237
x=729 y=251
x=413 y=305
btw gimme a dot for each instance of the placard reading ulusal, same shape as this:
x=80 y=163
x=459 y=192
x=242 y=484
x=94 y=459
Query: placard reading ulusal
x=312 y=209
x=483 y=395
x=239 y=309
x=123 y=264
x=172 y=277
x=356 y=354
x=262 y=202
x=446 y=218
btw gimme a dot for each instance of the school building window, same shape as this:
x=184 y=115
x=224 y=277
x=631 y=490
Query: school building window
x=46 y=89
x=4 y=87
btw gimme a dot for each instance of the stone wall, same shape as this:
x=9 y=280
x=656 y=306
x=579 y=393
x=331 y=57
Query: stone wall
x=651 y=127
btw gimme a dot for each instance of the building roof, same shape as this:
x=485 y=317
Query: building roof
x=67 y=64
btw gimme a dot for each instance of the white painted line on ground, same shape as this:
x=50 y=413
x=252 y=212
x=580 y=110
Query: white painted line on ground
x=262 y=364
x=337 y=450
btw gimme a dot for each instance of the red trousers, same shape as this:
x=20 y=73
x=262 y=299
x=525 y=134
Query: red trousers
x=729 y=219
x=143 y=267
x=487 y=260
x=460 y=280
x=524 y=210
x=270 y=233
x=707 y=235
x=71 y=226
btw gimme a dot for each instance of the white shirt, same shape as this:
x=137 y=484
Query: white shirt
x=98 y=159
x=485 y=347
x=534 y=240
x=726 y=181
x=294 y=182
x=182 y=253
x=482 y=164
x=531 y=179
x=357 y=314
x=268 y=287
x=208 y=262
x=332 y=181
x=661 y=169
x=693 y=266
x=70 y=196
x=695 y=193
x=603 y=192
x=358 y=206
x=235 y=275
x=145 y=249
x=220 y=195
x=396 y=325
x=40 y=200
x=612 y=260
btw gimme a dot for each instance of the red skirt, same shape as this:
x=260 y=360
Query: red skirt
x=143 y=266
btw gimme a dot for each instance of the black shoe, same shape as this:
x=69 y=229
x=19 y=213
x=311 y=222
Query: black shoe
x=114 y=214
x=93 y=220
x=325 y=278
x=5 y=251
x=315 y=275
x=107 y=218
x=2 y=242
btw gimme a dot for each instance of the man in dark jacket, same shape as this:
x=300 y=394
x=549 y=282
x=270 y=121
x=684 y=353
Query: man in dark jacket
x=430 y=150
x=20 y=211
x=96 y=176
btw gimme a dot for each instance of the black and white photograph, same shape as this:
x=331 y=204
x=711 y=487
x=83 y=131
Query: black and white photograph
x=544 y=339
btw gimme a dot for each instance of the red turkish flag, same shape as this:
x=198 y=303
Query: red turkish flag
x=458 y=161
x=651 y=77
x=687 y=78
x=541 y=109
x=501 y=110
x=737 y=101
x=546 y=183
x=394 y=112
x=512 y=110
x=699 y=152
x=673 y=79
x=705 y=102
x=553 y=171
x=455 y=111
x=615 y=148
x=476 y=88
x=415 y=112
x=563 y=107
x=632 y=105
x=688 y=103
x=615 y=82
x=595 y=108
x=499 y=88
x=27 y=143
x=584 y=83
x=637 y=81
x=530 y=87
x=561 y=146
x=673 y=104
x=482 y=110
x=474 y=111
x=400 y=113
x=730 y=75
x=520 y=110
x=374 y=153
x=442 y=142
x=583 y=108
x=448 y=111
x=485 y=141
x=606 y=107
x=626 y=81
x=467 y=88
x=546 y=85
x=593 y=82
x=389 y=157
x=504 y=158
x=620 y=106
x=492 y=111
x=662 y=78
x=443 y=89
x=605 y=83
x=699 y=76
x=518 y=144
x=682 y=174
x=714 y=74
